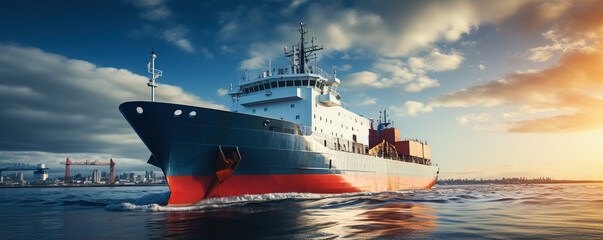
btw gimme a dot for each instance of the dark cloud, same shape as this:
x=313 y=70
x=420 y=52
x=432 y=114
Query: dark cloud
x=534 y=14
x=49 y=103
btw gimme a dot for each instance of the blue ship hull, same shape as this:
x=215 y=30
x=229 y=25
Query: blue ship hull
x=214 y=153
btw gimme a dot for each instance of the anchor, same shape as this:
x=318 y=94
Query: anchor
x=226 y=162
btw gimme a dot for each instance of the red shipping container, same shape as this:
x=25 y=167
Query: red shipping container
x=391 y=135
x=374 y=138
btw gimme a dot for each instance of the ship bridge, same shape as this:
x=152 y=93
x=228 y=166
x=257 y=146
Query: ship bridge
x=281 y=85
x=302 y=93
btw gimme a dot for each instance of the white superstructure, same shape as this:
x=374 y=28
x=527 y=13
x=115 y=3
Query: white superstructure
x=303 y=94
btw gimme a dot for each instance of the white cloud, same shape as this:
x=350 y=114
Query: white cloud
x=365 y=78
x=394 y=69
x=368 y=29
x=296 y=3
x=345 y=67
x=153 y=10
x=368 y=101
x=411 y=75
x=411 y=29
x=482 y=67
x=563 y=98
x=464 y=119
x=436 y=62
x=371 y=29
x=166 y=29
x=439 y=62
x=207 y=53
x=159 y=13
x=411 y=108
x=394 y=72
x=469 y=43
x=421 y=83
x=544 y=53
x=260 y=53
x=177 y=36
x=74 y=108
x=222 y=91
x=364 y=100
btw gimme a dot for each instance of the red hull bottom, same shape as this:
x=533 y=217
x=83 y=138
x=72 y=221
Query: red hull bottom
x=186 y=190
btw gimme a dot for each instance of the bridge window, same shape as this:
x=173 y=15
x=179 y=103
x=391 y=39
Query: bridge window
x=297 y=82
x=305 y=82
x=246 y=91
x=267 y=85
x=261 y=87
x=274 y=84
x=255 y=88
x=281 y=83
x=289 y=83
x=251 y=90
x=312 y=82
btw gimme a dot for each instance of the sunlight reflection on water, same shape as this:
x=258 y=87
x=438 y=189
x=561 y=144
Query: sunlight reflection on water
x=479 y=211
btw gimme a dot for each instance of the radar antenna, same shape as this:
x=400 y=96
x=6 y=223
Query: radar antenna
x=303 y=53
x=155 y=73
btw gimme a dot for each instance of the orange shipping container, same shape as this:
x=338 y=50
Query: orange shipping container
x=426 y=152
x=411 y=148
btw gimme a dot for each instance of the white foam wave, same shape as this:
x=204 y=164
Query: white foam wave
x=156 y=202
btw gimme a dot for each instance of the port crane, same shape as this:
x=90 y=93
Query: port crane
x=68 y=163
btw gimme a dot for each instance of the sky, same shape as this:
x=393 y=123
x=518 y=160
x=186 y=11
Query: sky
x=496 y=88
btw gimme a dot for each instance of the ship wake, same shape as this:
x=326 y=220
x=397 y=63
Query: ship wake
x=157 y=202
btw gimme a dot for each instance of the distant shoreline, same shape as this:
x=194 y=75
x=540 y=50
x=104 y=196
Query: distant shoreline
x=78 y=186
x=487 y=182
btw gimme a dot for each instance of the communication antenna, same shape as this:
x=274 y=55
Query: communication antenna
x=155 y=73
x=301 y=55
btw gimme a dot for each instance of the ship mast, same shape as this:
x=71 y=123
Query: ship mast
x=303 y=52
x=155 y=73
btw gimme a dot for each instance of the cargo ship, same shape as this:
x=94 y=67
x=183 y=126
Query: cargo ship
x=287 y=131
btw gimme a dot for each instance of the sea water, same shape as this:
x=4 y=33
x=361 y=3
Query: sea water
x=548 y=211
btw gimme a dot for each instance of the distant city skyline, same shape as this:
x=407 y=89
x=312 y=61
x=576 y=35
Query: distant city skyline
x=497 y=88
